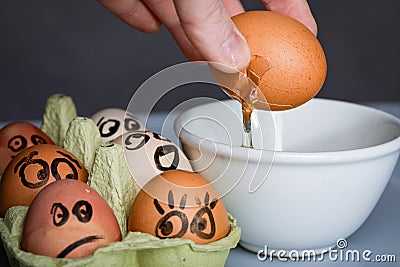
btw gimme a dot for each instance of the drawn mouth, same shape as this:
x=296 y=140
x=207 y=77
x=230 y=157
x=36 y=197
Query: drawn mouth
x=78 y=243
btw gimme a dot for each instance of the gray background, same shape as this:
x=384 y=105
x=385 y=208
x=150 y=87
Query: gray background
x=80 y=49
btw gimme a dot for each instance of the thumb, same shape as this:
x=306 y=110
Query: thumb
x=210 y=29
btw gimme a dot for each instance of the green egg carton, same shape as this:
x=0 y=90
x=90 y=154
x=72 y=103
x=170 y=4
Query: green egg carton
x=136 y=249
x=110 y=177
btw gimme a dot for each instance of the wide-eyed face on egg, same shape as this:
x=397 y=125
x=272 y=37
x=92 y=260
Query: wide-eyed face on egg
x=15 y=137
x=180 y=204
x=148 y=154
x=69 y=219
x=113 y=122
x=34 y=168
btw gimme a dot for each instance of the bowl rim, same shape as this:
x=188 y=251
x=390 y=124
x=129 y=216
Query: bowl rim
x=249 y=154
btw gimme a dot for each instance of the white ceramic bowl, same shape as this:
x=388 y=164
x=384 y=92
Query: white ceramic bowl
x=316 y=174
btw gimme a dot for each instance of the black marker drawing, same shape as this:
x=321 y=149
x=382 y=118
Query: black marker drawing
x=17 y=143
x=165 y=227
x=199 y=222
x=131 y=124
x=198 y=225
x=132 y=138
x=71 y=162
x=60 y=214
x=108 y=127
x=43 y=174
x=38 y=140
x=80 y=242
x=83 y=211
x=162 y=151
x=161 y=138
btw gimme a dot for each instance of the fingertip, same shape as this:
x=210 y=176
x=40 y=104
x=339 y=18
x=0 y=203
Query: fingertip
x=151 y=27
x=236 y=50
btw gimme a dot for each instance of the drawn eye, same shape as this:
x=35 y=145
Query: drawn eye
x=83 y=211
x=72 y=163
x=42 y=174
x=17 y=143
x=37 y=140
x=201 y=220
x=163 y=155
x=108 y=127
x=136 y=141
x=131 y=124
x=175 y=223
x=204 y=219
x=60 y=214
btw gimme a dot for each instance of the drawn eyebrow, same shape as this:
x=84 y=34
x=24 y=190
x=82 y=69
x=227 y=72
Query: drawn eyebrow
x=171 y=203
x=198 y=201
x=206 y=198
x=70 y=158
x=158 y=207
x=207 y=202
x=183 y=202
x=213 y=203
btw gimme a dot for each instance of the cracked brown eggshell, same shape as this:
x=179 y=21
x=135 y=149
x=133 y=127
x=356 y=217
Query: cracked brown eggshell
x=288 y=62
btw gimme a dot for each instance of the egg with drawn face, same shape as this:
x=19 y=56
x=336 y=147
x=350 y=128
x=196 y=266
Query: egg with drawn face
x=180 y=204
x=15 y=137
x=34 y=168
x=69 y=219
x=113 y=122
x=148 y=154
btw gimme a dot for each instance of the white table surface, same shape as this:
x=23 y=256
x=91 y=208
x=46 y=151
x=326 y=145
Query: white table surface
x=379 y=234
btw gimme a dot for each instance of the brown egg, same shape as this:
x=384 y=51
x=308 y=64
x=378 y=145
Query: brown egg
x=33 y=169
x=16 y=136
x=68 y=219
x=288 y=63
x=180 y=204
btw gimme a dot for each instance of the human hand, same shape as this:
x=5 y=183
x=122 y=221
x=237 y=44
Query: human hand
x=203 y=28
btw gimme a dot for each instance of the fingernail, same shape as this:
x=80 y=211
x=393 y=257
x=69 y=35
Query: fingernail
x=236 y=51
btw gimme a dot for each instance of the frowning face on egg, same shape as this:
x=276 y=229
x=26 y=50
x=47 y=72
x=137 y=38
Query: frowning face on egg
x=69 y=219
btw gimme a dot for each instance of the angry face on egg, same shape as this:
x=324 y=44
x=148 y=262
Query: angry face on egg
x=180 y=204
x=69 y=219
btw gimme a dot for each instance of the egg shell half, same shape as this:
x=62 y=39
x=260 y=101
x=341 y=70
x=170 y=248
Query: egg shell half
x=34 y=168
x=68 y=219
x=180 y=204
x=288 y=63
